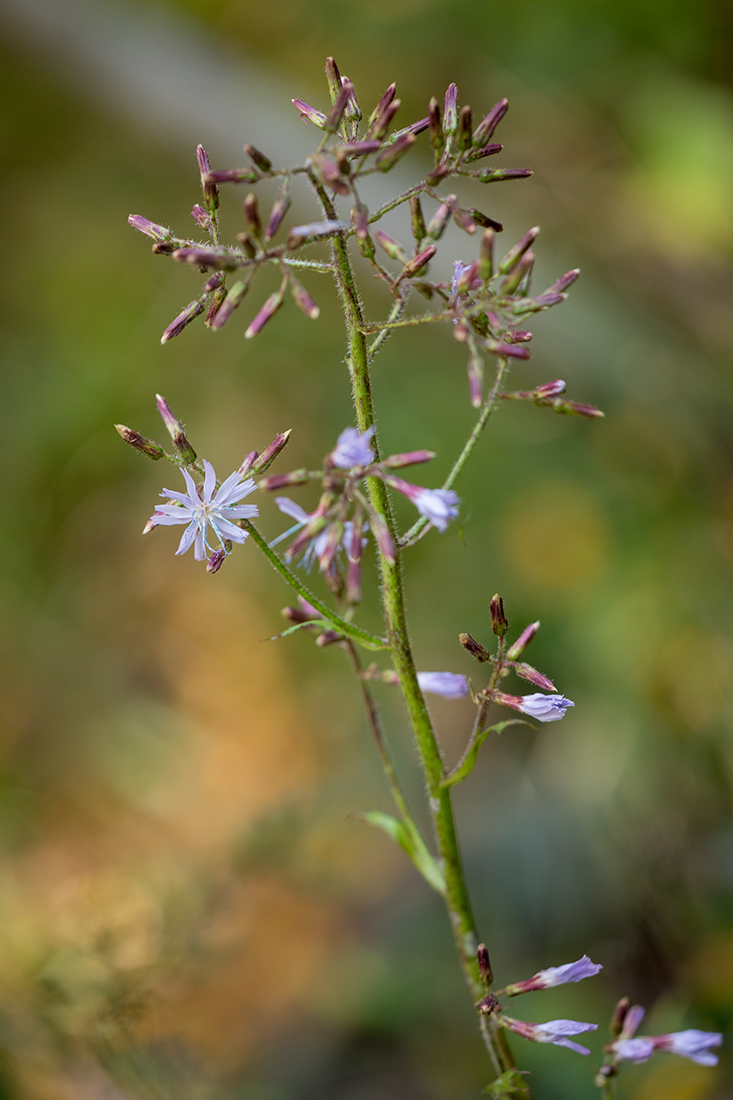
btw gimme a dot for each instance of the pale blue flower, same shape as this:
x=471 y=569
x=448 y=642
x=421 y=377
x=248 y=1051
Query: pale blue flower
x=203 y=509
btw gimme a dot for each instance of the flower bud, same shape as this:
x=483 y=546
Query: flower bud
x=435 y=175
x=302 y=299
x=563 y=282
x=184 y=318
x=333 y=76
x=263 y=163
x=375 y=118
x=360 y=220
x=528 y=673
x=464 y=221
x=252 y=215
x=488 y=124
x=534 y=305
x=450 y=114
x=234 y=297
x=329 y=637
x=248 y=463
x=268 y=311
x=507 y=351
x=310 y=114
x=280 y=481
x=619 y=1015
x=549 y=389
x=140 y=443
x=209 y=188
x=484 y=151
x=215 y=561
x=279 y=210
x=486 y=257
x=334 y=116
x=517 y=649
x=499 y=622
x=394 y=250
x=574 y=408
x=464 y=129
x=484 y=964
x=495 y=175
x=248 y=245
x=475 y=375
x=219 y=258
x=414 y=267
x=175 y=430
x=440 y=218
x=417 y=221
x=150 y=229
x=380 y=530
x=315 y=230
x=437 y=139
x=479 y=652
x=233 y=175
x=514 y=254
x=270 y=453
x=395 y=152
x=518 y=280
x=410 y=458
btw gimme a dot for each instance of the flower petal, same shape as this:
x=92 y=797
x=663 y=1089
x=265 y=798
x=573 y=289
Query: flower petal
x=188 y=536
x=209 y=481
x=290 y=508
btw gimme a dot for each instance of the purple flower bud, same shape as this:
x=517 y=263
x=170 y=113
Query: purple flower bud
x=575 y=408
x=252 y=215
x=267 y=312
x=619 y=1015
x=394 y=250
x=302 y=299
x=545 y=708
x=554 y=1031
x=140 y=443
x=437 y=139
x=310 y=114
x=259 y=159
x=249 y=246
x=518 y=279
x=475 y=375
x=528 y=673
x=511 y=351
x=382 y=537
x=522 y=641
x=329 y=637
x=534 y=305
x=357 y=149
x=484 y=964
x=211 y=191
x=486 y=258
x=485 y=151
x=521 y=336
x=233 y=175
x=353 y=449
x=375 y=117
x=495 y=175
x=415 y=266
x=281 y=481
x=450 y=115
x=279 y=210
x=233 y=299
x=474 y=648
x=268 y=456
x=314 y=230
x=395 y=151
x=184 y=318
x=215 y=561
x=499 y=623
x=556 y=975
x=360 y=219
x=549 y=389
x=220 y=258
x=440 y=219
x=435 y=175
x=488 y=124
x=248 y=464
x=150 y=229
x=464 y=220
x=334 y=116
x=333 y=76
x=465 y=121
x=515 y=254
x=175 y=430
x=451 y=685
x=563 y=282
x=417 y=221
x=410 y=458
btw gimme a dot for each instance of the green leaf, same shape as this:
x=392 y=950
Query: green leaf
x=510 y=1084
x=322 y=624
x=408 y=837
x=466 y=765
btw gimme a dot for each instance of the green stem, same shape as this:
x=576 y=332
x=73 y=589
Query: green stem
x=423 y=319
x=363 y=637
x=456 y=895
x=489 y=405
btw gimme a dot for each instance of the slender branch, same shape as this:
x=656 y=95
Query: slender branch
x=396 y=312
x=423 y=319
x=363 y=637
x=418 y=528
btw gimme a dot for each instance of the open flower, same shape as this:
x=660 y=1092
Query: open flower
x=439 y=506
x=202 y=508
x=319 y=543
x=554 y=1031
x=451 y=685
x=545 y=708
x=353 y=449
x=556 y=975
x=693 y=1044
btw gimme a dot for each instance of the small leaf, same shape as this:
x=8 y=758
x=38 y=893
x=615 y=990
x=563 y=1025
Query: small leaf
x=322 y=624
x=510 y=1084
x=466 y=765
x=408 y=837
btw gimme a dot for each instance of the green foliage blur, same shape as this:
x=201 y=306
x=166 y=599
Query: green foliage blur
x=186 y=907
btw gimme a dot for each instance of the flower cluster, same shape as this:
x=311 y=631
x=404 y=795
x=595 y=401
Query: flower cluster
x=627 y=1046
x=557 y=1032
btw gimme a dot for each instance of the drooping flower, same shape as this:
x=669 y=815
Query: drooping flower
x=554 y=1031
x=203 y=508
x=451 y=685
x=545 y=708
x=693 y=1044
x=353 y=448
x=556 y=975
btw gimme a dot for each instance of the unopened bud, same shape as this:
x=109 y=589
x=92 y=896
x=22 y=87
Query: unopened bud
x=334 y=116
x=435 y=175
x=450 y=113
x=549 y=389
x=380 y=530
x=574 y=408
x=140 y=443
x=233 y=175
x=248 y=463
x=302 y=299
x=360 y=220
x=410 y=458
x=394 y=250
x=464 y=128
x=475 y=375
x=479 y=652
x=534 y=305
x=314 y=230
x=518 y=279
x=378 y=112
x=333 y=76
x=507 y=351
x=219 y=258
x=263 y=163
x=395 y=152
x=484 y=964
x=268 y=311
x=415 y=266
x=298 y=615
x=234 y=297
x=514 y=254
x=619 y=1015
x=281 y=481
x=464 y=220
x=215 y=561
x=310 y=114
x=175 y=430
x=214 y=282
x=248 y=245
x=329 y=637
x=179 y=323
x=150 y=229
x=486 y=257
x=488 y=124
x=517 y=649
x=563 y=282
x=270 y=453
x=279 y=210
x=499 y=622
x=252 y=215
x=209 y=188
x=437 y=139
x=528 y=673
x=417 y=221
x=440 y=218
x=495 y=175
x=484 y=151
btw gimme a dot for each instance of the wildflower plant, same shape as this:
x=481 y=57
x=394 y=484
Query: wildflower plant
x=486 y=304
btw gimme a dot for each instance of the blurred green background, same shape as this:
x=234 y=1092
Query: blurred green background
x=187 y=909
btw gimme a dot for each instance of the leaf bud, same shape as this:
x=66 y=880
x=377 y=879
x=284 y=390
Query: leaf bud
x=499 y=622
x=479 y=652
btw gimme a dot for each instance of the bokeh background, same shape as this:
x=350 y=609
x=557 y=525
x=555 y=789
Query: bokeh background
x=187 y=908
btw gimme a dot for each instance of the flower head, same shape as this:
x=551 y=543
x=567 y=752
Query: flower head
x=451 y=685
x=554 y=1031
x=545 y=708
x=353 y=449
x=203 y=508
x=556 y=975
x=439 y=506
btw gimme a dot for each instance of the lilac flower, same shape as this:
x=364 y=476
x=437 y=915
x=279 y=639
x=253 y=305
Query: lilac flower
x=206 y=509
x=439 y=506
x=458 y=269
x=545 y=708
x=318 y=545
x=353 y=449
x=554 y=1031
x=692 y=1044
x=556 y=975
x=451 y=685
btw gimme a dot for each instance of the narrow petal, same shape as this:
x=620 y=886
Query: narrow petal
x=290 y=508
x=240 y=511
x=236 y=492
x=188 y=536
x=183 y=498
x=191 y=486
x=209 y=480
x=169 y=521
x=230 y=530
x=199 y=551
